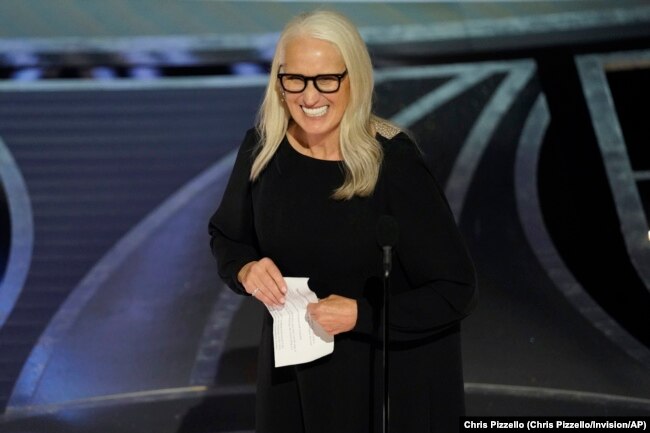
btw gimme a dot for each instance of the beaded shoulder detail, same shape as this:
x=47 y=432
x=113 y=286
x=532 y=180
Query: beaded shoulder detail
x=385 y=129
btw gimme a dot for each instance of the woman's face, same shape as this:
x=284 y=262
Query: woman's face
x=317 y=115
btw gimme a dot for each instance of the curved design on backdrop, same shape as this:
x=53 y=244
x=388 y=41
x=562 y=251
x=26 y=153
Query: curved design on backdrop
x=530 y=213
x=119 y=256
x=481 y=133
x=634 y=225
x=22 y=232
x=465 y=78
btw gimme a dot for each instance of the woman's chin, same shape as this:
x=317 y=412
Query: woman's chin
x=316 y=125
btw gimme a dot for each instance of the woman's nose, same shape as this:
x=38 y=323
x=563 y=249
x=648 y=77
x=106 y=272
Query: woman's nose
x=310 y=94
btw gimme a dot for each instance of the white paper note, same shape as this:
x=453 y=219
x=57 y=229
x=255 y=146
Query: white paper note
x=296 y=337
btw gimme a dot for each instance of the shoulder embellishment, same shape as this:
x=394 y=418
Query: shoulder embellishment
x=385 y=129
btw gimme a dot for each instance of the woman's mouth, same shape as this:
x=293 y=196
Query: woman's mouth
x=315 y=112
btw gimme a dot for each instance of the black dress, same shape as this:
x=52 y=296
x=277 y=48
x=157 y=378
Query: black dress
x=288 y=215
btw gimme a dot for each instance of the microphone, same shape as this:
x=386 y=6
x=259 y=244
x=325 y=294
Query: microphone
x=387 y=236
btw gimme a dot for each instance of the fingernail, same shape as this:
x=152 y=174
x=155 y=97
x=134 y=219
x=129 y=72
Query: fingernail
x=284 y=289
x=282 y=300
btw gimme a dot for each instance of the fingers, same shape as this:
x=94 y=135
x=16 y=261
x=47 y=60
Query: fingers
x=269 y=297
x=335 y=314
x=264 y=281
x=275 y=275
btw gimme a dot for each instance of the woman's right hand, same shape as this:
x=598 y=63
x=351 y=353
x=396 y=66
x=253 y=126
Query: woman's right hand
x=263 y=280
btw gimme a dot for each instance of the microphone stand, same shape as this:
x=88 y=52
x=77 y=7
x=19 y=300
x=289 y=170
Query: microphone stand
x=387 y=236
x=385 y=358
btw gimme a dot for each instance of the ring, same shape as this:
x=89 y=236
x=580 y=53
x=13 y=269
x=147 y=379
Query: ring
x=255 y=291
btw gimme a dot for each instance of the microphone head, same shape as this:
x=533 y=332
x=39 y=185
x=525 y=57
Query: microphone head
x=387 y=231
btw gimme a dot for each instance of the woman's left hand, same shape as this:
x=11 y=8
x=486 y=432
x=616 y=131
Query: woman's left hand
x=335 y=314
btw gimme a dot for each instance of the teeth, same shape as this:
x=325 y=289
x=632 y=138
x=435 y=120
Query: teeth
x=315 y=112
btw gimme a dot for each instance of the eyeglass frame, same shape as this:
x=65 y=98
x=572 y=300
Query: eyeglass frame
x=313 y=79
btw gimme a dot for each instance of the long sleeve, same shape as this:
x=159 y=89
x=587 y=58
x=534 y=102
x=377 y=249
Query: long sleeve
x=231 y=228
x=438 y=286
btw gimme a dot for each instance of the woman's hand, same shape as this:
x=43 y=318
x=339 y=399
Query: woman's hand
x=335 y=314
x=263 y=280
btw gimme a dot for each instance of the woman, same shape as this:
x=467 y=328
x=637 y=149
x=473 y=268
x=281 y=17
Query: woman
x=303 y=200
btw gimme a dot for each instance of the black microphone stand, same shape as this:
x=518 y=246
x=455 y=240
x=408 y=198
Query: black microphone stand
x=387 y=236
x=385 y=358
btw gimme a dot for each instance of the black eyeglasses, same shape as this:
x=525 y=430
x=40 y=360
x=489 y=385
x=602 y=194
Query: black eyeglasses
x=325 y=83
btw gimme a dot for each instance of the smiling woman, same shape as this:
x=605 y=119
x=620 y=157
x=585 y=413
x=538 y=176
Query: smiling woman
x=328 y=44
x=304 y=199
